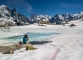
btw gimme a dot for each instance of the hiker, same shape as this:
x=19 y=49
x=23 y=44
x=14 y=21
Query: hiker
x=25 y=39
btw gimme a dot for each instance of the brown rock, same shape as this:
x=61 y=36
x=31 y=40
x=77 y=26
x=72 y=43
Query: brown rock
x=10 y=51
x=27 y=48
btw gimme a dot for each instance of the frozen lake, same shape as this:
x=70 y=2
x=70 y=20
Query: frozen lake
x=32 y=37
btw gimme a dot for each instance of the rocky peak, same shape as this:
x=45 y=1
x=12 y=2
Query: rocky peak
x=7 y=14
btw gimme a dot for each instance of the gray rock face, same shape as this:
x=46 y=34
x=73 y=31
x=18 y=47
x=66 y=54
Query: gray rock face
x=7 y=14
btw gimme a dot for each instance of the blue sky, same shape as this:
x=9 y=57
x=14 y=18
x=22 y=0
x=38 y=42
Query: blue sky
x=49 y=7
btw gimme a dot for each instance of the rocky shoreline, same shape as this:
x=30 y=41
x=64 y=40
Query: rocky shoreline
x=10 y=49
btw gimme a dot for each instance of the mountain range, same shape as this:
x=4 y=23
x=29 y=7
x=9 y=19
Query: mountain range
x=63 y=18
x=10 y=17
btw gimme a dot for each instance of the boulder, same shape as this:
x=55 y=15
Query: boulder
x=10 y=51
x=30 y=47
x=27 y=48
x=72 y=25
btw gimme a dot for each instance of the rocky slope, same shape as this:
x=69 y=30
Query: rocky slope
x=6 y=15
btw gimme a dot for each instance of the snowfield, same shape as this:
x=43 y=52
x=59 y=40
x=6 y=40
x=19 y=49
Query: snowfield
x=66 y=46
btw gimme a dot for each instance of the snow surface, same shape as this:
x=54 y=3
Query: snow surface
x=66 y=46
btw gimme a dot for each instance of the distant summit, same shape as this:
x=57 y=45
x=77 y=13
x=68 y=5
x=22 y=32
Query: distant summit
x=38 y=18
x=3 y=6
x=64 y=18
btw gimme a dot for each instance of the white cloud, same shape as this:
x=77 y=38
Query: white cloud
x=29 y=7
x=21 y=4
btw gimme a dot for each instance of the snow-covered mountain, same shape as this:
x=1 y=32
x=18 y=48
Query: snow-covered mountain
x=6 y=15
x=39 y=18
x=10 y=17
x=60 y=19
x=57 y=19
x=78 y=16
x=64 y=18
